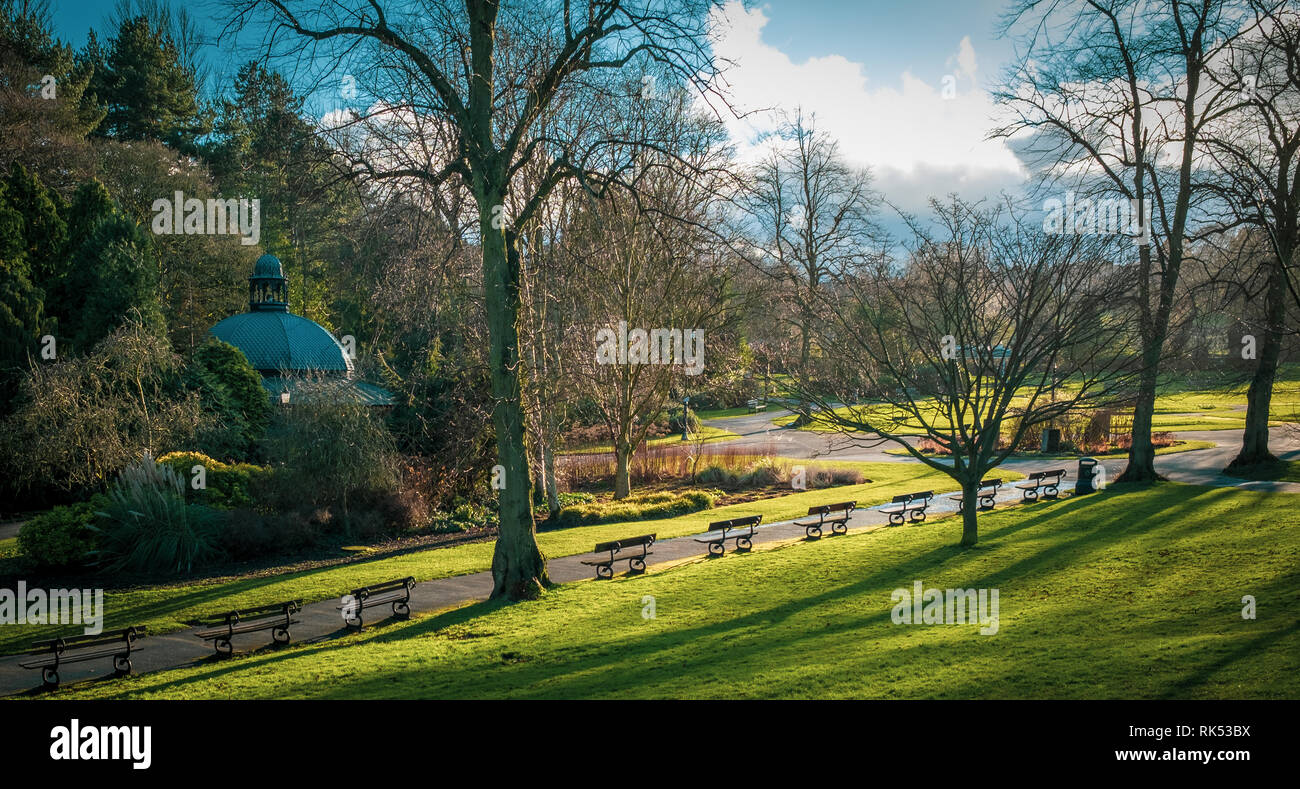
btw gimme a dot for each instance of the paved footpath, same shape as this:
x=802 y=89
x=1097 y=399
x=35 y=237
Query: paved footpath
x=321 y=621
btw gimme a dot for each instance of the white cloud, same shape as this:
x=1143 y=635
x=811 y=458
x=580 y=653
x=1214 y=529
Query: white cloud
x=917 y=142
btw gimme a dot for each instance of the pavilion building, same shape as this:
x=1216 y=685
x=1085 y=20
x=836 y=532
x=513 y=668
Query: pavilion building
x=296 y=357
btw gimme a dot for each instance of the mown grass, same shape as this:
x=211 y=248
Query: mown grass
x=172 y=607
x=1183 y=446
x=705 y=435
x=1131 y=593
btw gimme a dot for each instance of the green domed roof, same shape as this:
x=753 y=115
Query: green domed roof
x=282 y=341
x=268 y=265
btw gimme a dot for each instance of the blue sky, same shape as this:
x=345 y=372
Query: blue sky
x=872 y=72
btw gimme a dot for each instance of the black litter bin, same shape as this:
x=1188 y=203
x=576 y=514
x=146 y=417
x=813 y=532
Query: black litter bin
x=1051 y=440
x=1083 y=481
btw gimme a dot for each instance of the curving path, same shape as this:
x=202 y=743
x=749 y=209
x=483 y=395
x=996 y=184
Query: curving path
x=1197 y=467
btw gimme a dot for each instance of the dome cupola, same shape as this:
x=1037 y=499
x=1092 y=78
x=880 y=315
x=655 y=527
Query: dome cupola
x=268 y=290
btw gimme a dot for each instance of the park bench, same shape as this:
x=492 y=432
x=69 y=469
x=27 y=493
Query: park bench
x=56 y=652
x=718 y=545
x=395 y=593
x=988 y=491
x=1048 y=481
x=909 y=505
x=834 y=515
x=277 y=618
x=755 y=406
x=635 y=561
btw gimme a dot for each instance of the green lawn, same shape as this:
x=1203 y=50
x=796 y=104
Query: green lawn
x=706 y=435
x=725 y=413
x=1130 y=593
x=1184 y=446
x=172 y=607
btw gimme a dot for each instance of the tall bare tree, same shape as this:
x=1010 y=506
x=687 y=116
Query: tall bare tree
x=812 y=216
x=1256 y=151
x=495 y=73
x=1112 y=98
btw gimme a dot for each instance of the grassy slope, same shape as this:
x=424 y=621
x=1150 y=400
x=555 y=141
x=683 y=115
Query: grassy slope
x=709 y=434
x=170 y=608
x=1176 y=410
x=1132 y=593
x=1186 y=446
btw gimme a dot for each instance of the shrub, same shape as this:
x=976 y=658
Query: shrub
x=648 y=506
x=377 y=512
x=227 y=485
x=231 y=392
x=61 y=537
x=714 y=474
x=146 y=525
x=84 y=419
x=467 y=516
x=244 y=534
x=324 y=452
x=765 y=472
x=675 y=421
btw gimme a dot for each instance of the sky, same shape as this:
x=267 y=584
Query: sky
x=873 y=73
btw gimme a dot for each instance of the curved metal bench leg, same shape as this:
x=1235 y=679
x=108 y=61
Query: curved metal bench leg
x=636 y=565
x=812 y=532
x=402 y=609
x=1051 y=492
x=743 y=544
x=49 y=677
x=717 y=549
x=223 y=646
x=280 y=634
x=121 y=665
x=604 y=571
x=895 y=519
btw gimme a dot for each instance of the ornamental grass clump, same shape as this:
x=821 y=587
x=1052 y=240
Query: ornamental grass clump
x=146 y=525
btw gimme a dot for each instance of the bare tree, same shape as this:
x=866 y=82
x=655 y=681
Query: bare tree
x=495 y=75
x=1115 y=99
x=1256 y=151
x=990 y=329
x=652 y=278
x=812 y=216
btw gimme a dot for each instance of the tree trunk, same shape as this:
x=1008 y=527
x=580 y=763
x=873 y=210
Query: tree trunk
x=969 y=528
x=518 y=568
x=1142 y=453
x=622 y=467
x=1254 y=442
x=548 y=472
